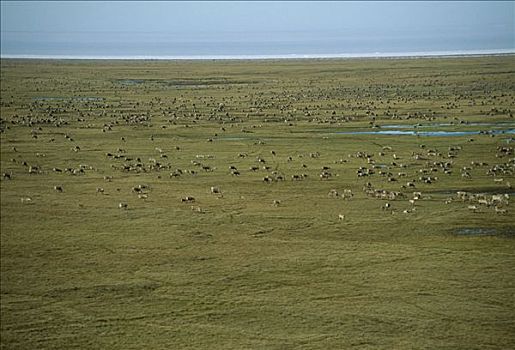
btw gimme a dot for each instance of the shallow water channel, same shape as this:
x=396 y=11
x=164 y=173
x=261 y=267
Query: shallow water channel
x=85 y=99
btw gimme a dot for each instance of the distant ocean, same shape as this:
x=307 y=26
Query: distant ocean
x=117 y=45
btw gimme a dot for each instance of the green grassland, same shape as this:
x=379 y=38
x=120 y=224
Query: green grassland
x=263 y=265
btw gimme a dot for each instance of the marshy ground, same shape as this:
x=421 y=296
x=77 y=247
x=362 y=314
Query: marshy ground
x=253 y=205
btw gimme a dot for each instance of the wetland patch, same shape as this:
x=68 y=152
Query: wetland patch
x=485 y=231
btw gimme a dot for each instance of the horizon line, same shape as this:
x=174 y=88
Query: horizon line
x=411 y=54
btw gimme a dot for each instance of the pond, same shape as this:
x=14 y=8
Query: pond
x=415 y=126
x=426 y=133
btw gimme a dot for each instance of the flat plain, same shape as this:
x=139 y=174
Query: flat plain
x=288 y=204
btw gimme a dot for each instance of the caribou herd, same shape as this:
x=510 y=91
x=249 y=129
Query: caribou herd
x=399 y=181
x=408 y=174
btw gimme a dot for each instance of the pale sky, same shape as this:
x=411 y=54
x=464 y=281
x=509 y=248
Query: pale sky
x=27 y=23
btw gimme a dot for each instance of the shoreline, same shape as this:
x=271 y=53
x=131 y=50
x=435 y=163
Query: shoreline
x=375 y=55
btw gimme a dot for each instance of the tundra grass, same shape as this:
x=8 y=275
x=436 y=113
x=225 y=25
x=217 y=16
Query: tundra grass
x=261 y=265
